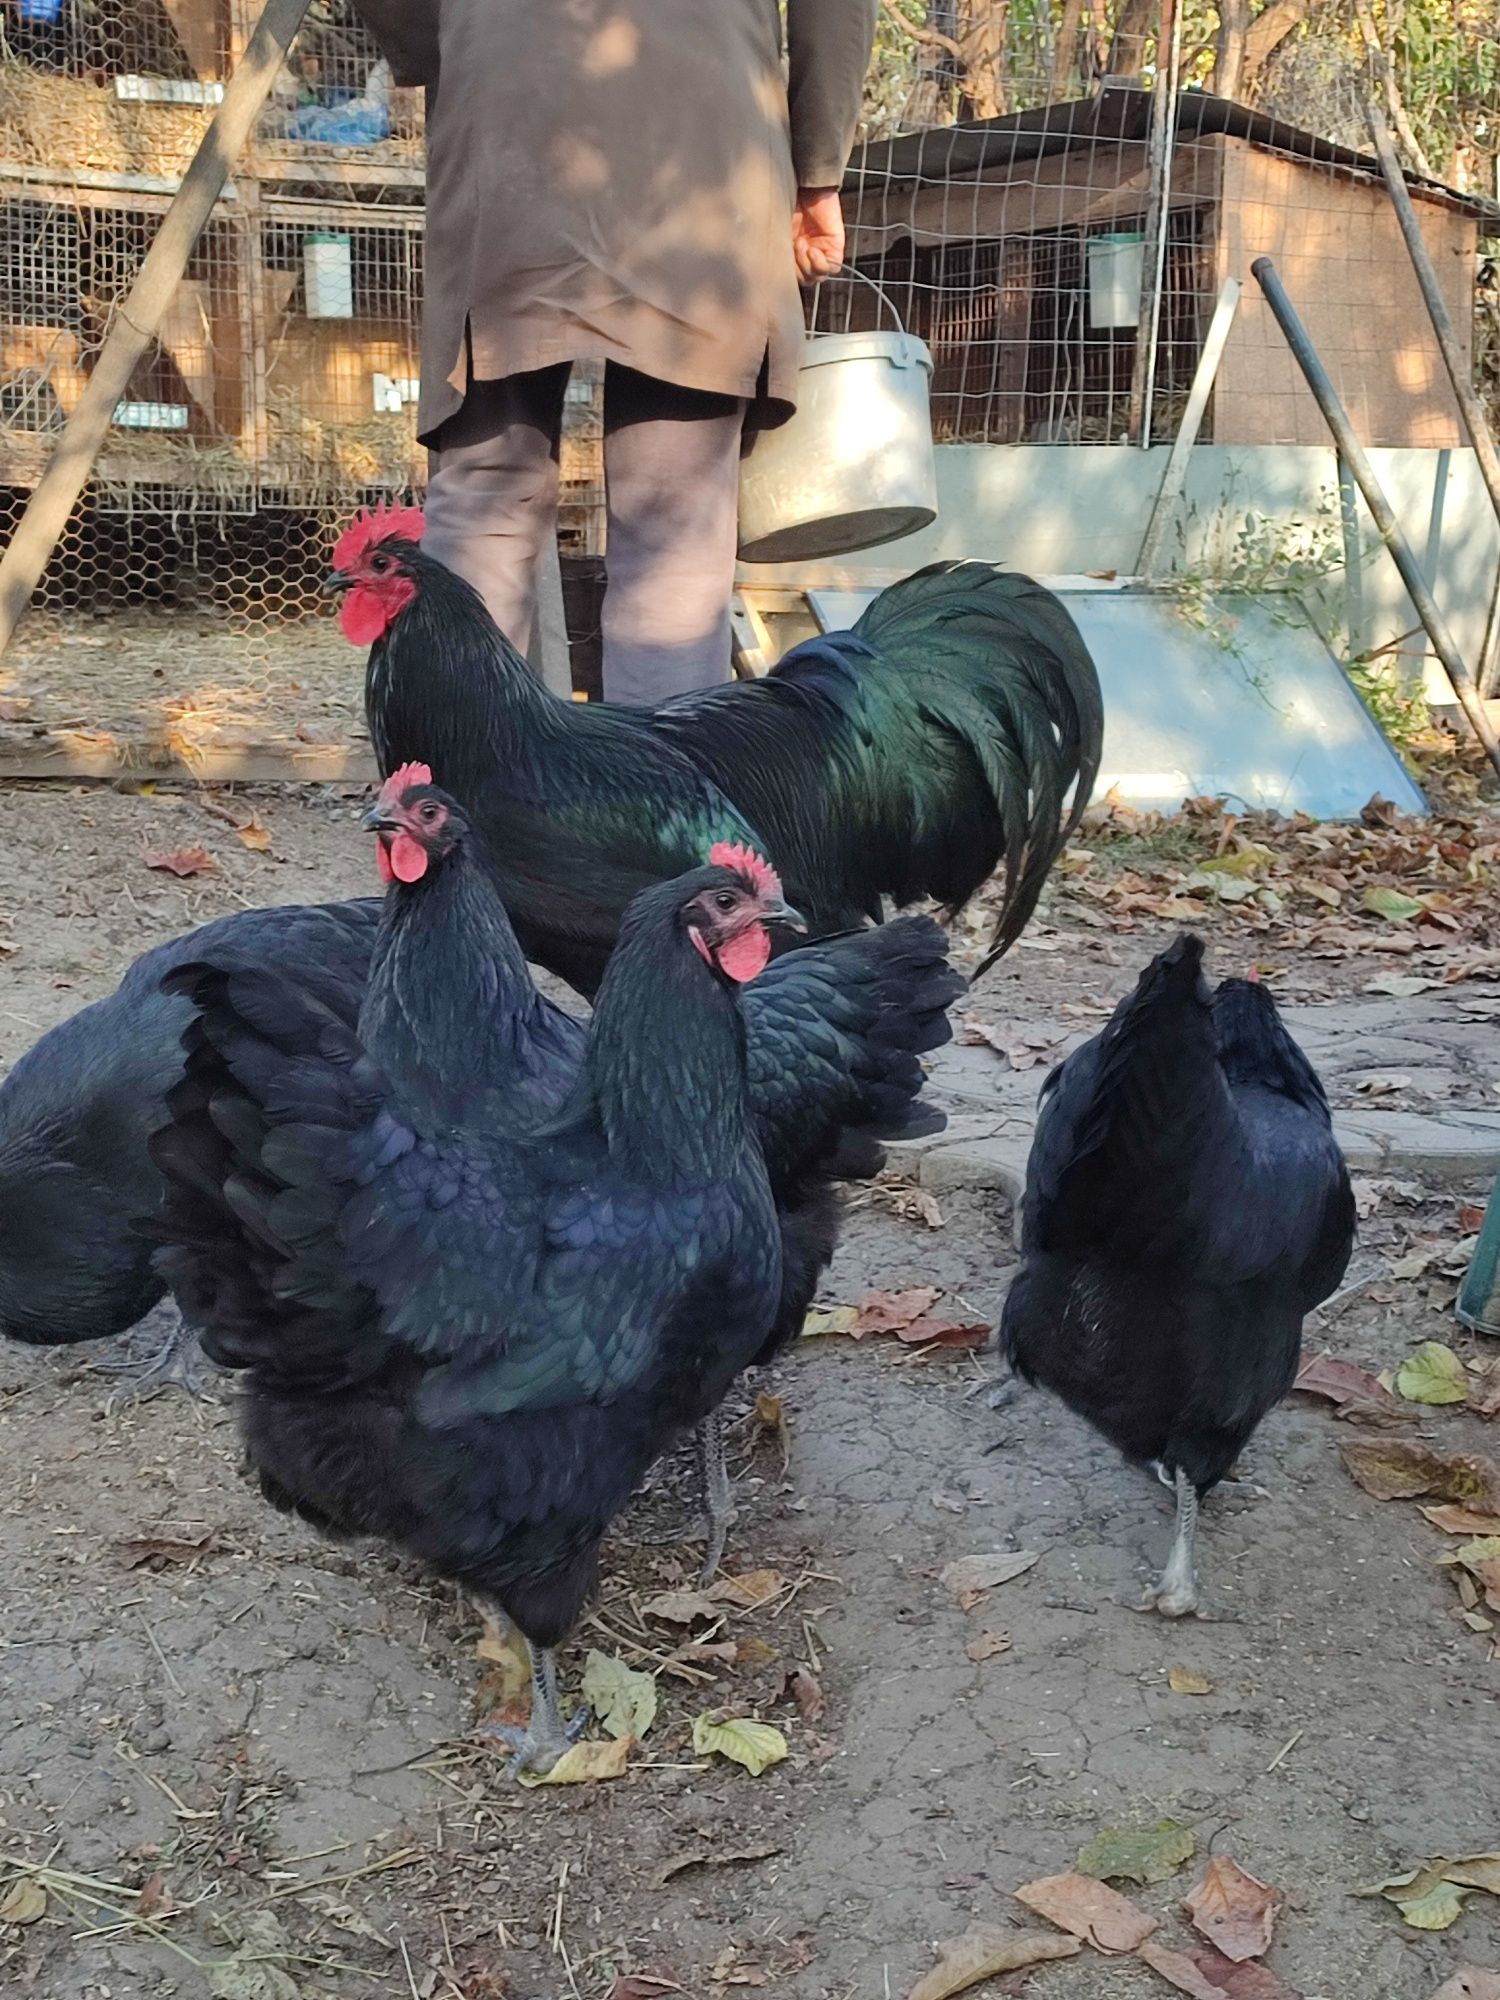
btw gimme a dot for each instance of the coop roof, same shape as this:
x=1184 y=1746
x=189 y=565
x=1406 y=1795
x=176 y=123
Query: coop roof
x=988 y=146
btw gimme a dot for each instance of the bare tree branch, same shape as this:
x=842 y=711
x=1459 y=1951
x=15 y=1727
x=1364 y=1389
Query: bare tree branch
x=1385 y=69
x=919 y=31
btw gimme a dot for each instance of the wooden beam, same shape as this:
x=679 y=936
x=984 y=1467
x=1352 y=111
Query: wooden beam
x=196 y=25
x=75 y=754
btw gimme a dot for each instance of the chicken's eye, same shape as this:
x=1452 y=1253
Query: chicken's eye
x=725 y=900
x=429 y=812
x=380 y=564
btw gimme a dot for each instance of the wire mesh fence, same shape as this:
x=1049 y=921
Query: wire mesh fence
x=1030 y=194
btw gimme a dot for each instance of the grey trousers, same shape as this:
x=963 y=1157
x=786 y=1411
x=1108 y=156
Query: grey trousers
x=671 y=469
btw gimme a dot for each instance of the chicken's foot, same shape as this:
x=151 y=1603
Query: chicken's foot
x=546 y=1736
x=179 y=1363
x=1176 y=1594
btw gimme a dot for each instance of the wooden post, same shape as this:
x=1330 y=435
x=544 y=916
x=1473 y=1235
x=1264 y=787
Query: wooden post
x=1172 y=479
x=1158 y=215
x=136 y=321
x=1381 y=511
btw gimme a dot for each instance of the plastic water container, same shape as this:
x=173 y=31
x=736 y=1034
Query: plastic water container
x=1116 y=264
x=1478 y=1303
x=853 y=467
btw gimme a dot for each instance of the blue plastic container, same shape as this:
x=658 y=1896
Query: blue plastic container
x=45 y=11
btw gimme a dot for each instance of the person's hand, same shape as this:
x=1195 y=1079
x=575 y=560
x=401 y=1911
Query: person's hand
x=818 y=234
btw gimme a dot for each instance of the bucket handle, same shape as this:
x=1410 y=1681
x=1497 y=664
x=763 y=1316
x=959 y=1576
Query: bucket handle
x=853 y=271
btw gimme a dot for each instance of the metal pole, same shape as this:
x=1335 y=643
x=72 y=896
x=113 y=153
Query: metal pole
x=1158 y=213
x=135 y=322
x=1172 y=479
x=1437 y=307
x=1381 y=511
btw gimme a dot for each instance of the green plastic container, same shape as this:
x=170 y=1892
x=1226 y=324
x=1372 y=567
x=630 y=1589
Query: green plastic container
x=1478 y=1303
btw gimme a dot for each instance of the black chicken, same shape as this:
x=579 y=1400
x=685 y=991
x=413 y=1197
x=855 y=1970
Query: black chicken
x=902 y=760
x=466 y=1330
x=75 y=1113
x=1186 y=1206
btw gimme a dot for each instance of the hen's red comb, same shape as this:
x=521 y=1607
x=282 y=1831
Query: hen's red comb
x=745 y=861
x=376 y=524
x=402 y=780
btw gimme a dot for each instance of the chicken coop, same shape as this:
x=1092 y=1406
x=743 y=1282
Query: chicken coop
x=1014 y=246
x=282 y=388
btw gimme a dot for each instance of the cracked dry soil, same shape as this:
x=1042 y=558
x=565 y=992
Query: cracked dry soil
x=272 y=1732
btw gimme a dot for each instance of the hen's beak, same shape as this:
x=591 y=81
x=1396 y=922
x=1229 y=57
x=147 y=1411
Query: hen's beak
x=335 y=583
x=779 y=912
x=379 y=819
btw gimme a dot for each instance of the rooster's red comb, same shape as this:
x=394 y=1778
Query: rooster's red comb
x=401 y=780
x=745 y=861
x=376 y=524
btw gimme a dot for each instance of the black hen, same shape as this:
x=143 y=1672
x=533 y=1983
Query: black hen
x=467 y=1331
x=902 y=760
x=1186 y=1206
x=75 y=1113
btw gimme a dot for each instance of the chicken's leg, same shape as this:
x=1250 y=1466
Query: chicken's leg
x=177 y=1364
x=719 y=1511
x=538 y=1746
x=1177 y=1592
x=718 y=1495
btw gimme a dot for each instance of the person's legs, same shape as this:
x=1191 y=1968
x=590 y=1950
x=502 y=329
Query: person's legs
x=671 y=467
x=492 y=492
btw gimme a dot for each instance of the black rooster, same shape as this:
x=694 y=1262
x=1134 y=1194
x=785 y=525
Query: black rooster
x=902 y=760
x=468 y=1331
x=1186 y=1206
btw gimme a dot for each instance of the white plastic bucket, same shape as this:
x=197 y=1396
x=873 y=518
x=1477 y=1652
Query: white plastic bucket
x=1115 y=267
x=853 y=467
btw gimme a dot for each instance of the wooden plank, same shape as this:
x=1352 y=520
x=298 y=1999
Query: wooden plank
x=74 y=754
x=288 y=160
x=196 y=25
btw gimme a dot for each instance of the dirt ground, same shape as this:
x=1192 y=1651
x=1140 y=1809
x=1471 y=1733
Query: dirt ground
x=251 y=1751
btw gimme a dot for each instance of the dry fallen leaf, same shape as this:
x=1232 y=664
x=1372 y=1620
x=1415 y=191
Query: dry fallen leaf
x=1089 y=1910
x=967 y=1579
x=1357 y=1395
x=621 y=1697
x=1249 y=1980
x=25 y=1903
x=750 y=1590
x=1461 y=1520
x=586 y=1763
x=681 y=1607
x=837 y=1319
x=1398 y=1469
x=771 y=1422
x=1470 y=1982
x=889 y=1312
x=806 y=1690
x=755 y=1745
x=159 y=1552
x=1233 y=1910
x=1481 y=1559
x=1432 y=1374
x=255 y=834
x=650 y=1983
x=987 y=1646
x=710 y=1857
x=183 y=861
x=1180 y=1681
x=1179 y=1971
x=1137 y=1853
x=982 y=1952
x=932 y=1331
